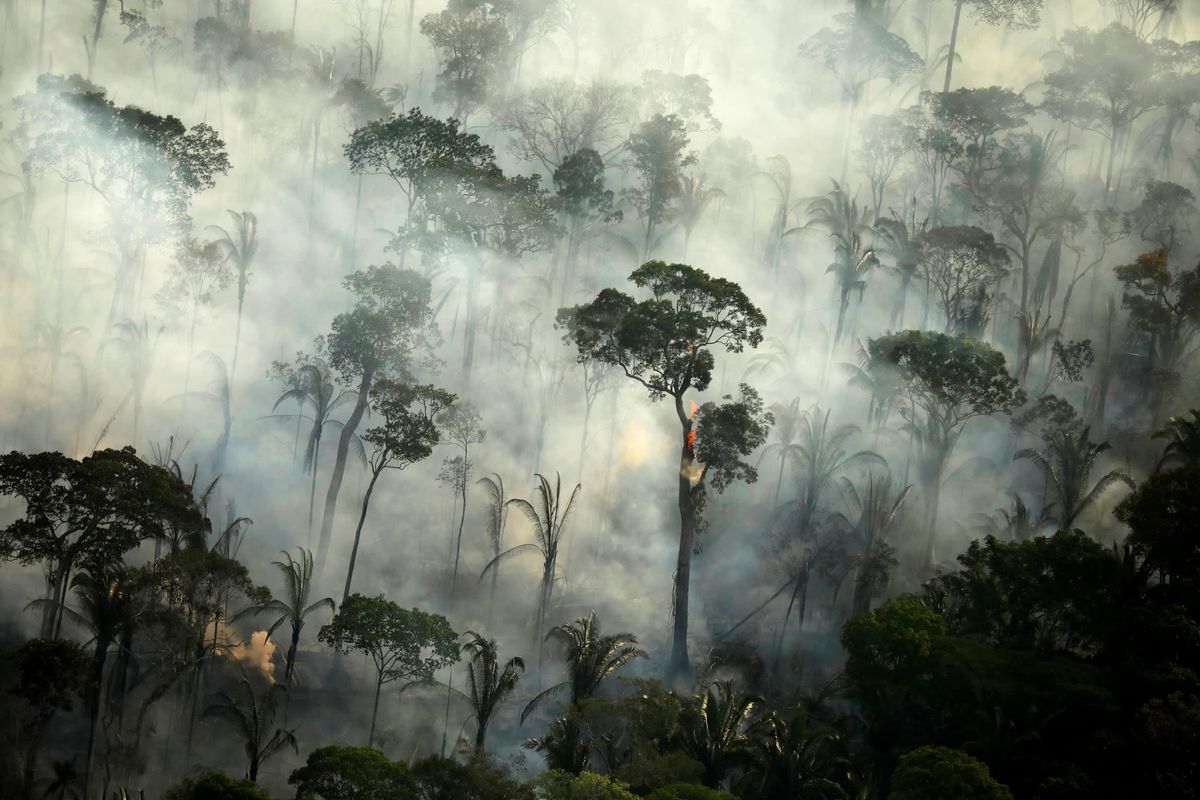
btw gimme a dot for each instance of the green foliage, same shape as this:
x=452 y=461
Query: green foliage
x=556 y=785
x=1161 y=514
x=406 y=431
x=215 y=786
x=446 y=779
x=894 y=643
x=940 y=773
x=351 y=773
x=658 y=150
x=388 y=321
x=727 y=433
x=688 y=791
x=404 y=644
x=665 y=342
x=52 y=673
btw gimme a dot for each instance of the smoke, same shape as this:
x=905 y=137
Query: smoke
x=779 y=113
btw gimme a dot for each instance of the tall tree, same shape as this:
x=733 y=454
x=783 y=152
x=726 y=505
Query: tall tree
x=462 y=427
x=239 y=248
x=962 y=265
x=403 y=644
x=375 y=339
x=666 y=343
x=549 y=522
x=948 y=380
x=489 y=682
x=405 y=434
x=1010 y=13
x=252 y=716
x=475 y=47
x=294 y=609
x=853 y=259
x=658 y=154
x=145 y=168
x=1067 y=463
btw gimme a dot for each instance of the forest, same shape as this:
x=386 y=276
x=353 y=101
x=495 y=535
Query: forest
x=599 y=399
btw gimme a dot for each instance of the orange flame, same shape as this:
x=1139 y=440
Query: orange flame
x=695 y=410
x=691 y=440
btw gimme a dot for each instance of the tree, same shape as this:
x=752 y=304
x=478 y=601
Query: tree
x=215 y=786
x=52 y=673
x=239 y=249
x=198 y=274
x=375 y=339
x=713 y=729
x=941 y=773
x=88 y=512
x=497 y=516
x=1159 y=514
x=310 y=382
x=962 y=264
x=875 y=511
x=948 y=380
x=560 y=785
x=886 y=140
x=475 y=47
x=859 y=52
x=351 y=773
x=406 y=434
x=1010 y=13
x=1164 y=310
x=145 y=168
x=900 y=239
x=584 y=201
x=407 y=645
x=490 y=683
x=558 y=119
x=1025 y=196
x=463 y=427
x=975 y=118
x=1067 y=465
x=591 y=656
x=295 y=608
x=658 y=154
x=419 y=153
x=549 y=522
x=1183 y=439
x=1106 y=83
x=1162 y=217
x=694 y=199
x=252 y=717
x=789 y=757
x=853 y=260
x=666 y=344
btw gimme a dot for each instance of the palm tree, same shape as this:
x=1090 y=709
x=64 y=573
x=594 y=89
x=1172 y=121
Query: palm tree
x=694 y=199
x=252 y=717
x=105 y=609
x=316 y=388
x=549 y=522
x=65 y=783
x=137 y=344
x=713 y=729
x=564 y=746
x=875 y=510
x=239 y=249
x=52 y=343
x=789 y=759
x=591 y=657
x=788 y=418
x=1067 y=465
x=901 y=239
x=1019 y=523
x=1183 y=439
x=294 y=608
x=820 y=456
x=497 y=516
x=780 y=178
x=846 y=223
x=490 y=682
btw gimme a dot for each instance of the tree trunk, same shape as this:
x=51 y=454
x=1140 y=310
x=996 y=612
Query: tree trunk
x=94 y=709
x=958 y=6
x=312 y=489
x=679 y=667
x=358 y=532
x=462 y=519
x=375 y=711
x=339 y=468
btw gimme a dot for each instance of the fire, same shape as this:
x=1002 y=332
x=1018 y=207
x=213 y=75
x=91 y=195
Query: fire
x=691 y=436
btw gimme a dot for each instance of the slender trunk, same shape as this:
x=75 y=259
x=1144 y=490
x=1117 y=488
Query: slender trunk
x=679 y=667
x=933 y=498
x=237 y=341
x=34 y=744
x=312 y=488
x=339 y=468
x=462 y=519
x=375 y=711
x=1112 y=159
x=779 y=481
x=253 y=771
x=94 y=709
x=958 y=6
x=362 y=517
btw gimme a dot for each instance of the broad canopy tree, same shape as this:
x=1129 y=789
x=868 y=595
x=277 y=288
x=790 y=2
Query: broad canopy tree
x=407 y=645
x=944 y=382
x=666 y=343
x=375 y=339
